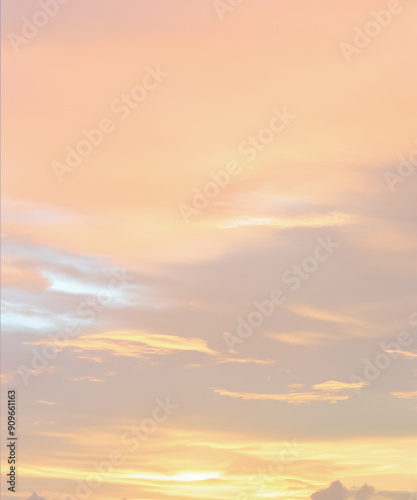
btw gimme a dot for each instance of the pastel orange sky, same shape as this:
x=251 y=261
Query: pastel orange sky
x=208 y=248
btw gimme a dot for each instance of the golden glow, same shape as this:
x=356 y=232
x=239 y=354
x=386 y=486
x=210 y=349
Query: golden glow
x=202 y=470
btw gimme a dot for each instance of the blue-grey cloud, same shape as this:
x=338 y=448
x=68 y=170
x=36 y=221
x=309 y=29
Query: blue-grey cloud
x=336 y=491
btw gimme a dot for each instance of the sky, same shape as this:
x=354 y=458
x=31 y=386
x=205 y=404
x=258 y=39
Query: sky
x=208 y=251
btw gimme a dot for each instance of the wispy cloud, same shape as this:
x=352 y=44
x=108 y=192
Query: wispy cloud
x=131 y=343
x=303 y=338
x=328 y=316
x=87 y=378
x=405 y=354
x=327 y=391
x=405 y=395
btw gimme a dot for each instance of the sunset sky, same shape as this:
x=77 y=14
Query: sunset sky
x=208 y=248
